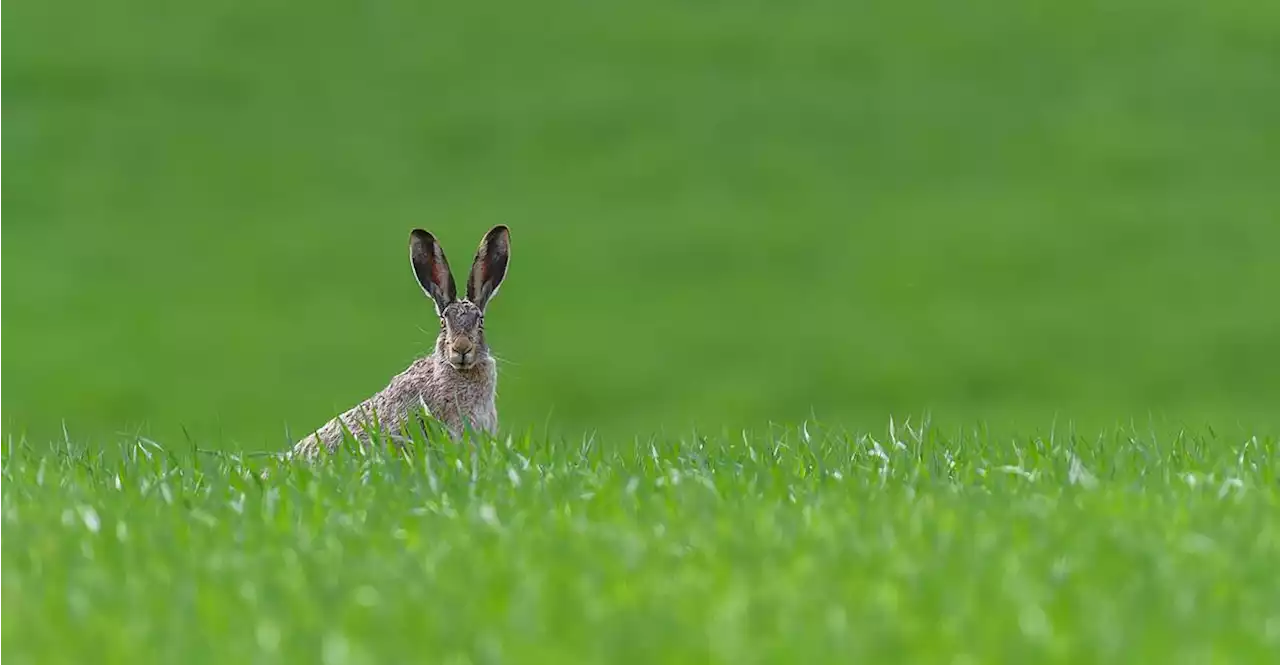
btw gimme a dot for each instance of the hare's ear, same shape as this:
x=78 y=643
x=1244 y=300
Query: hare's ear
x=431 y=268
x=490 y=266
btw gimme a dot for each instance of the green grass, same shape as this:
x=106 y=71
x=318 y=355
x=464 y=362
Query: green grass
x=723 y=213
x=781 y=546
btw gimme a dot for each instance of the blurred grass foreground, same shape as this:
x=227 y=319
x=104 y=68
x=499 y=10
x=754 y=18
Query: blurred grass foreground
x=723 y=213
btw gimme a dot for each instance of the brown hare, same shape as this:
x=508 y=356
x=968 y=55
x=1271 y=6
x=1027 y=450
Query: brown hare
x=457 y=382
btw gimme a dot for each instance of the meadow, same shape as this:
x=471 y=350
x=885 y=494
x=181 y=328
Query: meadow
x=1047 y=229
x=909 y=545
x=723 y=213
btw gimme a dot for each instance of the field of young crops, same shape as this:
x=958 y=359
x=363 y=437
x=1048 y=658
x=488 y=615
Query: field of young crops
x=723 y=214
x=792 y=545
x=1055 y=218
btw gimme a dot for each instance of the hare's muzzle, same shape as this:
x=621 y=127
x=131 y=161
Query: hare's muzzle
x=462 y=354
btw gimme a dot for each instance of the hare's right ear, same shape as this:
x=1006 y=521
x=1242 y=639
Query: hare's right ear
x=432 y=269
x=490 y=266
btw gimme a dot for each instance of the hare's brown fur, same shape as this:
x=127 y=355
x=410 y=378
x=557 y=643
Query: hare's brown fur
x=457 y=382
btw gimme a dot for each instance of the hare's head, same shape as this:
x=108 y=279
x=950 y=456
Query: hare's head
x=461 y=342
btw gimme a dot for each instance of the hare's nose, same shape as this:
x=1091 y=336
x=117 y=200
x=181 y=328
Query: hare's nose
x=462 y=345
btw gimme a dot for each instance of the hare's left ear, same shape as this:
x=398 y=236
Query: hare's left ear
x=490 y=266
x=432 y=268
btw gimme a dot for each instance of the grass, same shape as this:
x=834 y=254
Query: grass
x=788 y=545
x=723 y=213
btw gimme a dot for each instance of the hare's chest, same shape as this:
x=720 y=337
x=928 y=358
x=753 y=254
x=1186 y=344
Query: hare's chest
x=464 y=400
x=484 y=417
x=479 y=409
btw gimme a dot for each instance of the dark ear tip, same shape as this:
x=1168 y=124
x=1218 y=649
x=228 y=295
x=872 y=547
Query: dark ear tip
x=420 y=239
x=499 y=232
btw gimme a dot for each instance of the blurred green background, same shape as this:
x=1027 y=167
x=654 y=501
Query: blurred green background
x=723 y=213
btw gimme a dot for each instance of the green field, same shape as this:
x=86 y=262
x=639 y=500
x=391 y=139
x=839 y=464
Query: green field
x=780 y=547
x=723 y=213
x=1020 y=220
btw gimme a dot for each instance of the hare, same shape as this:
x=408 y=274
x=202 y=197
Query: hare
x=457 y=382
